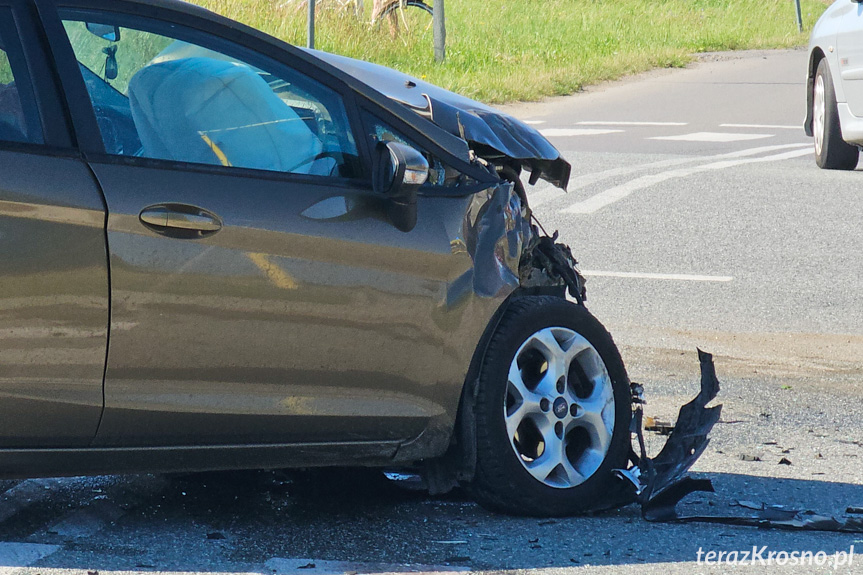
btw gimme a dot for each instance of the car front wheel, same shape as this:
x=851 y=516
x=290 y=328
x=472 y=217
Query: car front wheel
x=831 y=151
x=552 y=412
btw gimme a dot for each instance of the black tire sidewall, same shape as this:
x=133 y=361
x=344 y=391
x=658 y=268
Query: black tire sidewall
x=495 y=454
x=836 y=153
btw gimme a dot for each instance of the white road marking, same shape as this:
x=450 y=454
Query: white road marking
x=712 y=137
x=617 y=193
x=761 y=126
x=533 y=122
x=565 y=132
x=600 y=123
x=651 y=276
x=281 y=566
x=13 y=556
x=756 y=151
x=540 y=197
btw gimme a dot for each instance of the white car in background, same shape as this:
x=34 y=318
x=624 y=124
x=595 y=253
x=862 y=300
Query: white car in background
x=834 y=113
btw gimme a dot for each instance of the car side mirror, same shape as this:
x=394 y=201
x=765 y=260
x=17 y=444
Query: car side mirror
x=105 y=31
x=398 y=173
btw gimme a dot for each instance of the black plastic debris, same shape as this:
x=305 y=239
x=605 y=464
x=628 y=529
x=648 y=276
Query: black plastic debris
x=547 y=262
x=779 y=518
x=662 y=482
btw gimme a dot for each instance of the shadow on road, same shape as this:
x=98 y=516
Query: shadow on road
x=260 y=521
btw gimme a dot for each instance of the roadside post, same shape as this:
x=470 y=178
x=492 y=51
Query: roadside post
x=799 y=16
x=439 y=23
x=311 y=25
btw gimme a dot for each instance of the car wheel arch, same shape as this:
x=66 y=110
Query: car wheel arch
x=814 y=60
x=459 y=461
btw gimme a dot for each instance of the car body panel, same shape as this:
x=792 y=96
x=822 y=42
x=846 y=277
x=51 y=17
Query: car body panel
x=54 y=292
x=290 y=323
x=54 y=301
x=849 y=46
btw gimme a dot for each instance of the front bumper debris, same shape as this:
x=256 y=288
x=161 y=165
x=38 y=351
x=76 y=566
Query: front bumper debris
x=662 y=482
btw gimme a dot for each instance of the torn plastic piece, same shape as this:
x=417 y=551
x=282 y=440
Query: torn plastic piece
x=663 y=477
x=767 y=517
x=546 y=262
x=663 y=484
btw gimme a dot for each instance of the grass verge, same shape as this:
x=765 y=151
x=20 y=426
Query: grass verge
x=510 y=50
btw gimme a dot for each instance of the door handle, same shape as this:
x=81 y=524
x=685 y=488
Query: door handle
x=164 y=218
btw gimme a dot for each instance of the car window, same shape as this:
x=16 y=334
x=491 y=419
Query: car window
x=162 y=97
x=14 y=124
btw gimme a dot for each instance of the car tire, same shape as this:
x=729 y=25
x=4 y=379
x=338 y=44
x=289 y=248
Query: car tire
x=518 y=407
x=831 y=151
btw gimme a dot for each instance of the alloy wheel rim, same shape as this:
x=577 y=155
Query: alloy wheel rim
x=819 y=111
x=559 y=407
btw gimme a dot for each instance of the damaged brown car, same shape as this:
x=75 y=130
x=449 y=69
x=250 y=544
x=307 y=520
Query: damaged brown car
x=226 y=252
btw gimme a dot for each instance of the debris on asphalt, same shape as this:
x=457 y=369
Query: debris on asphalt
x=662 y=482
x=658 y=426
x=215 y=535
x=780 y=518
x=747 y=457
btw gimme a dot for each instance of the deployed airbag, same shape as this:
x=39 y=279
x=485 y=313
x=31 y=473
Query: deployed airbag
x=210 y=111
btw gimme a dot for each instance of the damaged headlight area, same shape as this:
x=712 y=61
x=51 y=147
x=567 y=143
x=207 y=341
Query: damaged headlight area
x=546 y=262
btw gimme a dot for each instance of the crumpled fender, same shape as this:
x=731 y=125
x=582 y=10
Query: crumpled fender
x=495 y=230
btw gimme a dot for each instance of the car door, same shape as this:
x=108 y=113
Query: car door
x=259 y=293
x=849 y=46
x=54 y=279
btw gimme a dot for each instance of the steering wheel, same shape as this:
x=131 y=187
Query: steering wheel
x=118 y=131
x=337 y=157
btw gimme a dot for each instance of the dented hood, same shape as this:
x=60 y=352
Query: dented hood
x=491 y=133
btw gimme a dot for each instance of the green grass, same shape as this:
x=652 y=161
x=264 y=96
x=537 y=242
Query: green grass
x=507 y=50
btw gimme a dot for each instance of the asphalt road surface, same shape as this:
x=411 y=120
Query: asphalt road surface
x=698 y=213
